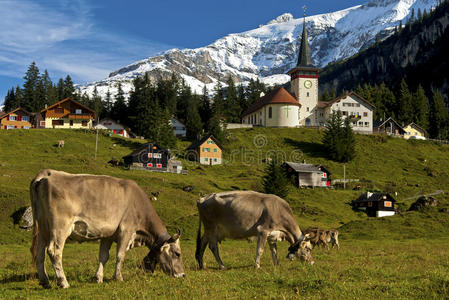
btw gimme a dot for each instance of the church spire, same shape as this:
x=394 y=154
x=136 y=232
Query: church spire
x=304 y=52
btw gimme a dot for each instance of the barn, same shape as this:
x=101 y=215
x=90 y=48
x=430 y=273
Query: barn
x=152 y=157
x=307 y=174
x=375 y=204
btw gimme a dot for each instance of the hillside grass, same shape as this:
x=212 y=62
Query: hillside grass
x=401 y=256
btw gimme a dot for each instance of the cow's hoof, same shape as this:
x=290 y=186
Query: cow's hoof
x=99 y=279
x=256 y=266
x=118 y=278
x=45 y=285
x=64 y=285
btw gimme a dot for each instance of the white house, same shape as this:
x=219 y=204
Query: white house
x=115 y=127
x=351 y=106
x=178 y=127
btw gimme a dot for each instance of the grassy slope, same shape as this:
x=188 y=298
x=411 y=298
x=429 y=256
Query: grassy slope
x=392 y=165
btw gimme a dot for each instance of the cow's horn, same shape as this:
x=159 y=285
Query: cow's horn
x=176 y=235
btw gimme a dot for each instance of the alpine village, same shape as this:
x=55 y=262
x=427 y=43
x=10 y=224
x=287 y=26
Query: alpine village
x=357 y=150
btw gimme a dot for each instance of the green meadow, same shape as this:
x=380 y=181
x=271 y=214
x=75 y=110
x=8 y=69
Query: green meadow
x=404 y=256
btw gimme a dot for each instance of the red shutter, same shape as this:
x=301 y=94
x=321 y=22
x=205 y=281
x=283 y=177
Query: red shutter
x=159 y=165
x=149 y=165
x=7 y=118
x=19 y=118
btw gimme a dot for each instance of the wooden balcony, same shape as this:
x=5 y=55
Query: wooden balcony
x=81 y=116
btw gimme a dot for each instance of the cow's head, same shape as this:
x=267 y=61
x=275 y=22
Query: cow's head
x=302 y=249
x=167 y=252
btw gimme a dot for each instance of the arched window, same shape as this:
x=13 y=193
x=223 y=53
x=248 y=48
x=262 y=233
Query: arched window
x=270 y=112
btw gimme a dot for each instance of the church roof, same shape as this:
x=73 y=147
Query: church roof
x=304 y=51
x=278 y=96
x=323 y=104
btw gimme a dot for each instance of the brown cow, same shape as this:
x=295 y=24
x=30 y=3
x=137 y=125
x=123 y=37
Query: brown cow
x=321 y=237
x=243 y=214
x=90 y=207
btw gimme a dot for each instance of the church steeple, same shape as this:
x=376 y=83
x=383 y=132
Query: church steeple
x=304 y=51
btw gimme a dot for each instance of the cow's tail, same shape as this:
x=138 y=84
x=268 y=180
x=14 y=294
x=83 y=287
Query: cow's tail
x=198 y=239
x=34 y=196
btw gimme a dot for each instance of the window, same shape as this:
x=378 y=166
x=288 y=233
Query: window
x=206 y=149
x=57 y=122
x=307 y=109
x=13 y=118
x=26 y=127
x=215 y=160
x=270 y=112
x=354 y=123
x=360 y=123
x=10 y=127
x=215 y=150
x=84 y=123
x=357 y=105
x=366 y=124
x=206 y=159
x=71 y=122
x=388 y=204
x=345 y=113
x=42 y=123
x=308 y=94
x=78 y=111
x=25 y=118
x=370 y=204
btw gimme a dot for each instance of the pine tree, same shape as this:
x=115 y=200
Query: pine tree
x=218 y=100
x=405 y=109
x=69 y=89
x=108 y=104
x=205 y=109
x=97 y=103
x=119 y=108
x=60 y=89
x=167 y=93
x=194 y=126
x=338 y=138
x=10 y=101
x=29 y=88
x=241 y=99
x=232 y=108
x=185 y=95
x=215 y=128
x=419 y=15
x=438 y=117
x=420 y=108
x=275 y=180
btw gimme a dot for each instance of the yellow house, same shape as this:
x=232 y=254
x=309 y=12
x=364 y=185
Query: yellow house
x=413 y=130
x=206 y=151
x=16 y=119
x=68 y=114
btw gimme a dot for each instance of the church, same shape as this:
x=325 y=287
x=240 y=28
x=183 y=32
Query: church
x=300 y=107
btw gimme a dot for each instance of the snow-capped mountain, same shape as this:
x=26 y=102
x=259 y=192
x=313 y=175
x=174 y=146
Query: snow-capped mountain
x=269 y=51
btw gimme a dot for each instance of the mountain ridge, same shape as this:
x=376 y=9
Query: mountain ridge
x=269 y=51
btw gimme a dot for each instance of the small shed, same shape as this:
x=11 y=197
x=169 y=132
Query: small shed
x=178 y=127
x=152 y=157
x=390 y=127
x=375 y=204
x=307 y=174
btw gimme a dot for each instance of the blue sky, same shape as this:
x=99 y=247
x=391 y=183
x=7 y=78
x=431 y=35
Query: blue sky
x=88 y=39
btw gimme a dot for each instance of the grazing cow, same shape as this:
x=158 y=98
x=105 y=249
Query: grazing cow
x=320 y=237
x=90 y=207
x=61 y=144
x=332 y=238
x=243 y=214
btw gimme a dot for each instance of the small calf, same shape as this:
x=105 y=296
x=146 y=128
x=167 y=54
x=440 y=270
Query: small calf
x=61 y=144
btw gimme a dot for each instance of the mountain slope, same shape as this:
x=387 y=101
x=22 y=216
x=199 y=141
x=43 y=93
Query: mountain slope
x=418 y=53
x=269 y=51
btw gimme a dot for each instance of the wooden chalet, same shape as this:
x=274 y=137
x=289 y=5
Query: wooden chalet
x=206 y=151
x=16 y=119
x=375 y=204
x=390 y=127
x=113 y=126
x=152 y=157
x=413 y=131
x=307 y=174
x=68 y=114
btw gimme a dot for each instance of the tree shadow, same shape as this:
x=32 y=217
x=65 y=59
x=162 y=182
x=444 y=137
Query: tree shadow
x=127 y=143
x=309 y=148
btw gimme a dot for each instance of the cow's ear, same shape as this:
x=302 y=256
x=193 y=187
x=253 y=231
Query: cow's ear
x=307 y=237
x=177 y=235
x=165 y=248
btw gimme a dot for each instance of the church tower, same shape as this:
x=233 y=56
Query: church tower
x=304 y=83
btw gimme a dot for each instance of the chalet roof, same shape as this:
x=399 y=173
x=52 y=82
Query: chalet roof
x=306 y=168
x=145 y=147
x=324 y=104
x=198 y=143
x=14 y=111
x=375 y=197
x=278 y=96
x=390 y=119
x=2 y=113
x=417 y=127
x=65 y=100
